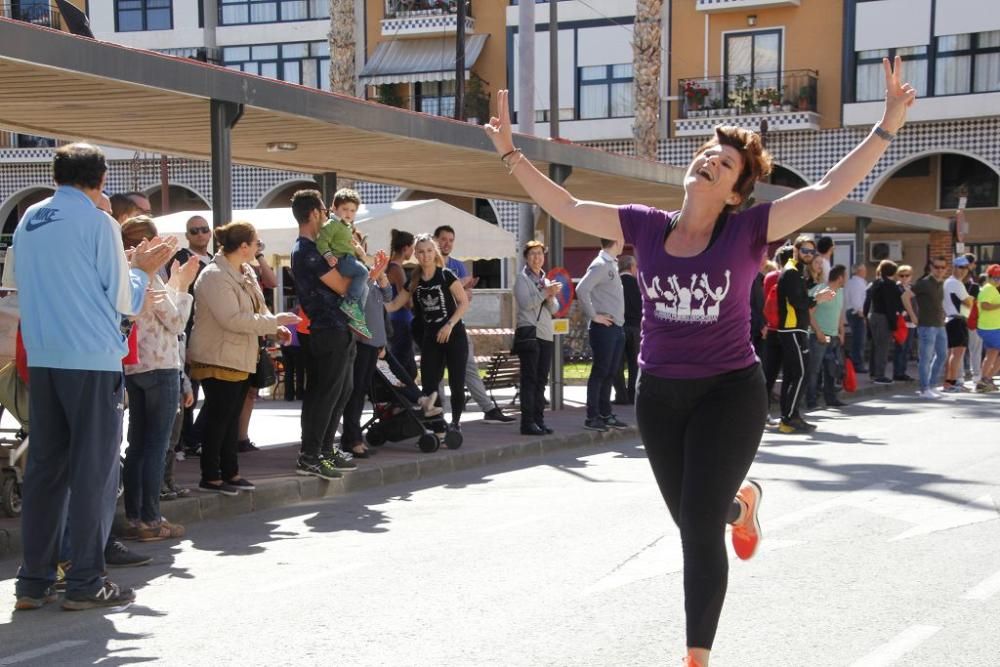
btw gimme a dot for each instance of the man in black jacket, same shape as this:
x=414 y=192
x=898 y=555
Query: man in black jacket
x=625 y=392
x=794 y=304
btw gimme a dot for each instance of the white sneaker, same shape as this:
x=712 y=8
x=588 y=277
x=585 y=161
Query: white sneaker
x=426 y=404
x=929 y=394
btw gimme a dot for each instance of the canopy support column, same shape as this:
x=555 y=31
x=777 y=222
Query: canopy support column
x=860 y=228
x=327 y=183
x=558 y=173
x=225 y=115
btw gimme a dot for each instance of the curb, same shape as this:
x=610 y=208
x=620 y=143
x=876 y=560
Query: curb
x=282 y=491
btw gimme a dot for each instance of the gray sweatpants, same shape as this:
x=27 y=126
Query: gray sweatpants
x=76 y=436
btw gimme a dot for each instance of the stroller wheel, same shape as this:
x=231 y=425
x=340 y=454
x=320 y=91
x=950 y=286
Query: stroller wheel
x=375 y=436
x=453 y=439
x=428 y=443
x=10 y=496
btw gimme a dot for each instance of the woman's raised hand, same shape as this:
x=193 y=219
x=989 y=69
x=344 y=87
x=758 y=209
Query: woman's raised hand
x=498 y=129
x=899 y=96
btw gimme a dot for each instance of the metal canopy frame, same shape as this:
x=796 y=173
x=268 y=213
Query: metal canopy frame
x=56 y=84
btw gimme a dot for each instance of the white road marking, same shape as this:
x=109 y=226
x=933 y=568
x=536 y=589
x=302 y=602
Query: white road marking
x=985 y=590
x=932 y=515
x=900 y=645
x=39 y=652
x=853 y=498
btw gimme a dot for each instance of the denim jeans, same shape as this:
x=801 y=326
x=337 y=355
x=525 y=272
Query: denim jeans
x=856 y=322
x=607 y=344
x=824 y=369
x=901 y=354
x=933 y=351
x=152 y=406
x=349 y=267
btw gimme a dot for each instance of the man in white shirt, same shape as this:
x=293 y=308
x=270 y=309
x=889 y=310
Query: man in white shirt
x=957 y=303
x=854 y=302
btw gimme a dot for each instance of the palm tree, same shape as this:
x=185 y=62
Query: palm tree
x=342 y=53
x=646 y=66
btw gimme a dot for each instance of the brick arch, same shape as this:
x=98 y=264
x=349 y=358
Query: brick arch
x=16 y=198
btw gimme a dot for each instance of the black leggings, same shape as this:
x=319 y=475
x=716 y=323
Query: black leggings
x=701 y=437
x=435 y=357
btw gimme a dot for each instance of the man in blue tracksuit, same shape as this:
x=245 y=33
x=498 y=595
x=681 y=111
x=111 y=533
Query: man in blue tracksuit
x=74 y=285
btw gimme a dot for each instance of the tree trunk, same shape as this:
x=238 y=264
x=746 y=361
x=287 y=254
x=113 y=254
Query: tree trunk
x=646 y=67
x=342 y=53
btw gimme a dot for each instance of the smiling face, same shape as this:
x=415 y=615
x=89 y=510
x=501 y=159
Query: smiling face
x=445 y=241
x=426 y=253
x=713 y=174
x=535 y=259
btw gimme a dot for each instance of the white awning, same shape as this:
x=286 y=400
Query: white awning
x=413 y=60
x=475 y=238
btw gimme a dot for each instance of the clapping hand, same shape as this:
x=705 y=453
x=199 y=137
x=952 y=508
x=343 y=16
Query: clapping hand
x=287 y=318
x=381 y=263
x=152 y=254
x=825 y=294
x=899 y=96
x=181 y=276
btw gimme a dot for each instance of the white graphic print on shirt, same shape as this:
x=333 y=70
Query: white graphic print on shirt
x=694 y=301
x=432 y=302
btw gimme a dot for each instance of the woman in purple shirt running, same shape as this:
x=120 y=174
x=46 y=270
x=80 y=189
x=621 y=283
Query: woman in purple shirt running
x=701 y=402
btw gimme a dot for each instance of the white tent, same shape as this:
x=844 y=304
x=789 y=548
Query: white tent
x=475 y=238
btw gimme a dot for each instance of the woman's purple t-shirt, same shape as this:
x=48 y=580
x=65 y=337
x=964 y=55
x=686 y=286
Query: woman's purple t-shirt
x=696 y=310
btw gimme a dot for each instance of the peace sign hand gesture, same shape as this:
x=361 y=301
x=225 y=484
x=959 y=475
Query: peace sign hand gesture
x=498 y=129
x=898 y=96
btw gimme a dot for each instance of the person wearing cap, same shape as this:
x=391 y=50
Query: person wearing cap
x=989 y=328
x=957 y=303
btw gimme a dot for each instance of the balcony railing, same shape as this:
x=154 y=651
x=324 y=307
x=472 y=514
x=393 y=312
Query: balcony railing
x=398 y=9
x=738 y=5
x=768 y=92
x=36 y=13
x=205 y=54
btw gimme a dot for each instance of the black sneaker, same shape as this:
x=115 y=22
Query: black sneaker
x=341 y=460
x=244 y=446
x=613 y=422
x=224 y=489
x=496 y=416
x=108 y=595
x=596 y=424
x=544 y=427
x=902 y=378
x=803 y=424
x=531 y=429
x=117 y=554
x=243 y=484
x=166 y=494
x=882 y=380
x=317 y=468
x=192 y=451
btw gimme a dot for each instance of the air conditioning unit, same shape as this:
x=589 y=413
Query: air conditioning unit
x=879 y=250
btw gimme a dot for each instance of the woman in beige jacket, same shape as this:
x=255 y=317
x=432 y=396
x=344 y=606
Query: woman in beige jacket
x=230 y=315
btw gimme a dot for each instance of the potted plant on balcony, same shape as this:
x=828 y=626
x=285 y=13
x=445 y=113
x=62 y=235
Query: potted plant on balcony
x=694 y=95
x=805 y=98
x=742 y=96
x=773 y=97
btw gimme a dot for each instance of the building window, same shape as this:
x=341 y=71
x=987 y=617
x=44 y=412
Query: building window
x=968 y=63
x=756 y=56
x=436 y=98
x=136 y=15
x=305 y=63
x=871 y=76
x=239 y=12
x=606 y=91
x=965 y=174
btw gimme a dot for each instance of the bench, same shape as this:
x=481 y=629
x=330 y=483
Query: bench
x=503 y=371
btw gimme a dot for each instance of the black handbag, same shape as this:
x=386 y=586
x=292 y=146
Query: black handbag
x=526 y=337
x=265 y=375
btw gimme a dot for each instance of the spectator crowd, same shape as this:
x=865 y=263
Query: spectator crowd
x=110 y=308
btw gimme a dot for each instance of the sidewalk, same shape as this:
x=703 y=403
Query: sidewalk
x=275 y=428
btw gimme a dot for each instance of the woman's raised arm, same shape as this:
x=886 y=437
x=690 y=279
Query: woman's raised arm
x=798 y=208
x=589 y=217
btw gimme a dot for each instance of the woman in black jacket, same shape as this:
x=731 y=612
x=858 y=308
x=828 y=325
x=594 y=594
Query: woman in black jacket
x=886 y=304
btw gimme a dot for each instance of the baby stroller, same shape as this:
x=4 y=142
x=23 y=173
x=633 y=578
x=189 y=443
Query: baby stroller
x=395 y=418
x=13 y=399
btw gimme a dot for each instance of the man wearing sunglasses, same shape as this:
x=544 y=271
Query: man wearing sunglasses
x=794 y=306
x=928 y=296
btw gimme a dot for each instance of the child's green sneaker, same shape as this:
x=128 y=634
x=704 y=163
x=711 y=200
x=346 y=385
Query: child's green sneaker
x=360 y=328
x=353 y=310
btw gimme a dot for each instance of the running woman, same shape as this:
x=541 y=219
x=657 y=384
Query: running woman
x=700 y=402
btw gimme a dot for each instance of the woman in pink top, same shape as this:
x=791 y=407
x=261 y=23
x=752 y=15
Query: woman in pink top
x=701 y=401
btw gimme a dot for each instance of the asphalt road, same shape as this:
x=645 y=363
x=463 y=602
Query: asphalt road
x=882 y=547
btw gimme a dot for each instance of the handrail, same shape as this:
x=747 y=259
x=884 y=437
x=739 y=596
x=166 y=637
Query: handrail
x=762 y=92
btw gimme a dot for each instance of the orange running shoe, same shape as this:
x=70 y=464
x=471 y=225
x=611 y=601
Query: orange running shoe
x=691 y=662
x=746 y=533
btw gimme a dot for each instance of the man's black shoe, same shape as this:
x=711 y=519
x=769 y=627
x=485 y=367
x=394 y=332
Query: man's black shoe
x=108 y=595
x=902 y=378
x=882 y=380
x=117 y=554
x=801 y=423
x=531 y=429
x=548 y=431
x=244 y=446
x=496 y=416
x=835 y=403
x=595 y=424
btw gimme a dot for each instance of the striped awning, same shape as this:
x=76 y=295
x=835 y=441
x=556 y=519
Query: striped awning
x=413 y=60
